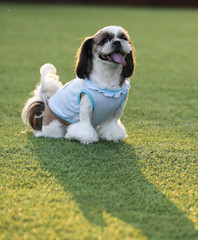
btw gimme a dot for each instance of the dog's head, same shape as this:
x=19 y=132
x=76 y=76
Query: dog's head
x=110 y=46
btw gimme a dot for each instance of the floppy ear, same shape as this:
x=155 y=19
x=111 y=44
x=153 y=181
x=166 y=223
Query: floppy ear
x=84 y=63
x=128 y=70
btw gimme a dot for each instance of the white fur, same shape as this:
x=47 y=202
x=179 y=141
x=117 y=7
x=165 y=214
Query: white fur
x=54 y=130
x=113 y=29
x=105 y=77
x=49 y=81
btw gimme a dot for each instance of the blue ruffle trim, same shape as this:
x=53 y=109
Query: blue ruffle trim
x=107 y=92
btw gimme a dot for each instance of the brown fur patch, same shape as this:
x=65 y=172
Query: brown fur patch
x=34 y=111
x=49 y=116
x=104 y=35
x=124 y=35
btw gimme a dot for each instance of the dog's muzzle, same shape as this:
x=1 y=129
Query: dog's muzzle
x=116 y=56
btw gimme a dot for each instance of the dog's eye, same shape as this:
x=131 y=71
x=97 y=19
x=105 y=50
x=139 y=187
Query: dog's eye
x=105 y=40
x=123 y=37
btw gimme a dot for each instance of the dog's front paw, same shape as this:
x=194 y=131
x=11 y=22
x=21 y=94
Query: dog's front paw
x=112 y=131
x=83 y=132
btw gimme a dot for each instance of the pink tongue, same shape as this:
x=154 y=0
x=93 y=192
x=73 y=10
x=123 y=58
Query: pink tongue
x=117 y=57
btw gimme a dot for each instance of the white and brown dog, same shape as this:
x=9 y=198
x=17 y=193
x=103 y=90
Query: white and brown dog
x=89 y=107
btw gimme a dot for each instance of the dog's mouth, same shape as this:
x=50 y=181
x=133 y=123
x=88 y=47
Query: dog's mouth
x=116 y=57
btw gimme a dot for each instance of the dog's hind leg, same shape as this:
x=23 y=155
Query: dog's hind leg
x=54 y=130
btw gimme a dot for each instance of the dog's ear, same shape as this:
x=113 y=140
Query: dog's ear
x=128 y=70
x=84 y=63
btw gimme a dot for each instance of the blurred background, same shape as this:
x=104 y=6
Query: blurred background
x=167 y=3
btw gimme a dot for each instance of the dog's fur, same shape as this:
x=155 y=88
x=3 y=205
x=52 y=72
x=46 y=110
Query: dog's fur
x=94 y=61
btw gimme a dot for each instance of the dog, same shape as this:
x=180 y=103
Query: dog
x=89 y=107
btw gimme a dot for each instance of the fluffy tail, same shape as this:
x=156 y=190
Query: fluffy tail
x=32 y=113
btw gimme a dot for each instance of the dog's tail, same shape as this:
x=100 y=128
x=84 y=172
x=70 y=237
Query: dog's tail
x=33 y=111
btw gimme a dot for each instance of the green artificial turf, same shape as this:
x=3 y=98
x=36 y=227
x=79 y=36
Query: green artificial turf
x=145 y=187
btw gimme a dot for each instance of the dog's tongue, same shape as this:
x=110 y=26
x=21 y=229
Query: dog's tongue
x=118 y=58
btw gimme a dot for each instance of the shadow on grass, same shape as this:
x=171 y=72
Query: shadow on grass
x=107 y=178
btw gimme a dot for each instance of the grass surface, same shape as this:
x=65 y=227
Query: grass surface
x=143 y=188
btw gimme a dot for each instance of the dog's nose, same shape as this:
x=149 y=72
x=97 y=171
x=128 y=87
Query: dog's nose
x=116 y=43
x=117 y=46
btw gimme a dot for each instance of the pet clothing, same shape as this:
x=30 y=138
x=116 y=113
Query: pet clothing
x=65 y=103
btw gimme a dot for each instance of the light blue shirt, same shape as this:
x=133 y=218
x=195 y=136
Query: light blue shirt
x=65 y=103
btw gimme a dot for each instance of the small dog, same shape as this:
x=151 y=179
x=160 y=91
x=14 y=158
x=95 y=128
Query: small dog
x=89 y=107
